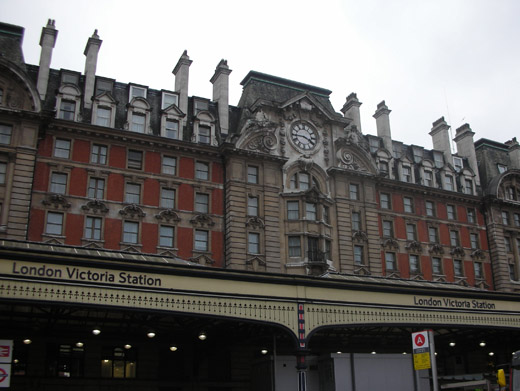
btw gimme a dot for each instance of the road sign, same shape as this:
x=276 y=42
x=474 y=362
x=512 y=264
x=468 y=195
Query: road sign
x=421 y=350
x=5 y=375
x=6 y=350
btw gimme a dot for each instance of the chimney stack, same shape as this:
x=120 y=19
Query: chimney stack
x=441 y=139
x=47 y=42
x=466 y=147
x=220 y=81
x=382 y=116
x=514 y=153
x=351 y=110
x=91 y=52
x=182 y=74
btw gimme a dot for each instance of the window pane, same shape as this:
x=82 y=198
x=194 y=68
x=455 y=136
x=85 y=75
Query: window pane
x=356 y=221
x=201 y=203
x=204 y=135
x=202 y=171
x=62 y=148
x=93 y=228
x=133 y=193
x=310 y=211
x=252 y=206
x=252 y=174
x=98 y=154
x=135 y=159
x=414 y=263
x=304 y=181
x=172 y=129
x=294 y=246
x=436 y=266
x=138 y=123
x=103 y=116
x=166 y=236
x=67 y=110
x=168 y=100
x=358 y=255
x=390 y=261
x=457 y=267
x=167 y=198
x=354 y=191
x=130 y=232
x=169 y=165
x=253 y=243
x=293 y=210
x=5 y=134
x=201 y=240
x=58 y=183
x=385 y=201
x=3 y=170
x=96 y=188
x=54 y=224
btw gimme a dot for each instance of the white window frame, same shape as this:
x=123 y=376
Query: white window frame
x=50 y=225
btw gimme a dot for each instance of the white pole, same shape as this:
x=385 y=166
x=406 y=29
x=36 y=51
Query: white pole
x=433 y=361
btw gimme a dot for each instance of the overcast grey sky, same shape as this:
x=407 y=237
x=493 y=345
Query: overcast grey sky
x=454 y=58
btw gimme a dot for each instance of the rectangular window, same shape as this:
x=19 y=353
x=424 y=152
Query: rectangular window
x=103 y=86
x=133 y=193
x=390 y=261
x=354 y=191
x=471 y=215
x=428 y=178
x=167 y=198
x=358 y=255
x=252 y=174
x=383 y=168
x=130 y=232
x=62 y=148
x=507 y=242
x=252 y=206
x=407 y=174
x=310 y=211
x=68 y=362
x=93 y=228
x=295 y=246
x=3 y=171
x=454 y=238
x=414 y=263
x=201 y=240
x=411 y=233
x=172 y=129
x=253 y=243
x=169 y=165
x=137 y=92
x=135 y=159
x=448 y=182
x=204 y=135
x=293 y=210
x=430 y=208
x=96 y=188
x=119 y=364
x=202 y=171
x=103 y=116
x=505 y=218
x=138 y=123
x=98 y=154
x=474 y=241
x=433 y=234
x=457 y=268
x=54 y=224
x=436 y=266
x=326 y=216
x=201 y=105
x=517 y=219
x=388 y=229
x=408 y=204
x=356 y=221
x=58 y=183
x=457 y=163
x=512 y=274
x=450 y=209
x=477 y=267
x=166 y=236
x=468 y=186
x=5 y=134
x=67 y=110
x=201 y=203
x=168 y=100
x=385 y=201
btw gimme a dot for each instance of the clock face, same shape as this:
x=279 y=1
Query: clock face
x=304 y=136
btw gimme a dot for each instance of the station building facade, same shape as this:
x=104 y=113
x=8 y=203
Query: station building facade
x=132 y=205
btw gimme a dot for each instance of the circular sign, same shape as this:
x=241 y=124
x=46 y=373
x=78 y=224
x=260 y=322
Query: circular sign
x=3 y=375
x=420 y=340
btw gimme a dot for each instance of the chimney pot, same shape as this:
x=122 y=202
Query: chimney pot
x=351 y=110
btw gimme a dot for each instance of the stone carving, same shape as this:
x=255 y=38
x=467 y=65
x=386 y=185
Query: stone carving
x=57 y=201
x=168 y=215
x=414 y=246
x=436 y=248
x=202 y=259
x=264 y=142
x=95 y=206
x=360 y=236
x=478 y=254
x=255 y=222
x=132 y=211
x=202 y=220
x=390 y=243
x=457 y=251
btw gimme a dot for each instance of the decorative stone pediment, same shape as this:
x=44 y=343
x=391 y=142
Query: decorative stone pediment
x=94 y=245
x=461 y=281
x=362 y=270
x=417 y=277
x=436 y=248
x=131 y=249
x=439 y=278
x=256 y=264
x=132 y=211
x=478 y=254
x=353 y=137
x=95 y=206
x=202 y=220
x=393 y=274
x=167 y=254
x=482 y=284
x=53 y=241
x=390 y=243
x=255 y=222
x=56 y=201
x=168 y=215
x=414 y=246
x=457 y=251
x=173 y=110
x=359 y=236
x=202 y=259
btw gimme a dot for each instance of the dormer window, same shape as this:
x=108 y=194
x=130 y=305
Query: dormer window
x=374 y=144
x=457 y=163
x=448 y=183
x=201 y=105
x=172 y=129
x=169 y=99
x=103 y=116
x=428 y=178
x=67 y=110
x=137 y=92
x=69 y=78
x=68 y=102
x=204 y=135
x=439 y=159
x=138 y=123
x=407 y=174
x=103 y=86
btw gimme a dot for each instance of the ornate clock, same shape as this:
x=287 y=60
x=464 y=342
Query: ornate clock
x=303 y=136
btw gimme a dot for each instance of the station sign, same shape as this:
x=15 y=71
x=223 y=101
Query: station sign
x=6 y=357
x=421 y=350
